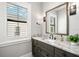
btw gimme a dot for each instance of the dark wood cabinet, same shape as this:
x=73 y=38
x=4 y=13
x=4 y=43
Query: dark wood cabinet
x=62 y=53
x=68 y=54
x=41 y=49
x=59 y=52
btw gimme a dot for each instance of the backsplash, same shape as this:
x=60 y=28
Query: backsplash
x=36 y=35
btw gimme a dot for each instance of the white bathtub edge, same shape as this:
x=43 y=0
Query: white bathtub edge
x=27 y=55
x=12 y=42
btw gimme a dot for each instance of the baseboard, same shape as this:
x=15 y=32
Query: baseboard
x=27 y=55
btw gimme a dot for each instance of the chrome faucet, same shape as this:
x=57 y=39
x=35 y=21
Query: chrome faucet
x=51 y=36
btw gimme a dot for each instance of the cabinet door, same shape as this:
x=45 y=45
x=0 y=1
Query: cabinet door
x=34 y=47
x=67 y=54
x=51 y=50
x=40 y=49
x=40 y=52
x=34 y=42
x=59 y=53
x=44 y=53
x=35 y=51
x=47 y=48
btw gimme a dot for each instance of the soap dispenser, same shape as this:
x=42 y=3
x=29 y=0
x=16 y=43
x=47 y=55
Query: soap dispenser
x=62 y=38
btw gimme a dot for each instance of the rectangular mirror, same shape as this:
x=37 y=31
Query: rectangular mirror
x=57 y=20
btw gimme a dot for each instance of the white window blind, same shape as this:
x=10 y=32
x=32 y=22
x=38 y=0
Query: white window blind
x=16 y=19
x=12 y=30
x=23 y=29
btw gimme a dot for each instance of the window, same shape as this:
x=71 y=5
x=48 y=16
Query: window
x=17 y=29
x=12 y=9
x=22 y=13
x=15 y=11
x=17 y=18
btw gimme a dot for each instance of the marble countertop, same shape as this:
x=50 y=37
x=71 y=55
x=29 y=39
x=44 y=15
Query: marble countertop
x=64 y=45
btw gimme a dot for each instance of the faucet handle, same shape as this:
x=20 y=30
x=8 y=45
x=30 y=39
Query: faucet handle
x=55 y=38
x=51 y=36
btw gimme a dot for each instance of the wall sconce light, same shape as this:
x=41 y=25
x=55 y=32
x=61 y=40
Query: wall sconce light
x=44 y=19
x=73 y=8
x=37 y=23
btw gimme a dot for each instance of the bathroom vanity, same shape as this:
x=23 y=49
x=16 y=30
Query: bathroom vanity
x=57 y=23
x=44 y=48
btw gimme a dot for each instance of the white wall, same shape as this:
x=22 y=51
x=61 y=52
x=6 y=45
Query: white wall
x=49 y=5
x=3 y=22
x=36 y=11
x=74 y=22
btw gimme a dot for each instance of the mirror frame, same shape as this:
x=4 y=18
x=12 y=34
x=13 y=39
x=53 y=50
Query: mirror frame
x=67 y=15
